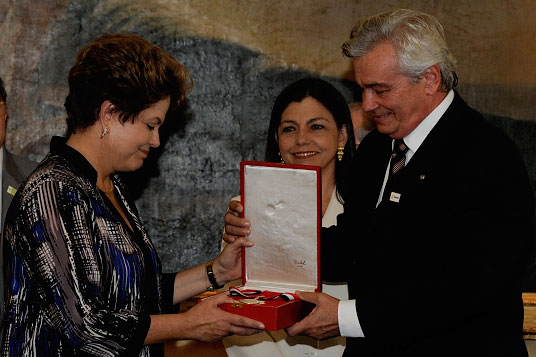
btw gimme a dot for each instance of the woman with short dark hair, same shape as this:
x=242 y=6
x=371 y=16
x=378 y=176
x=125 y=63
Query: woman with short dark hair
x=84 y=277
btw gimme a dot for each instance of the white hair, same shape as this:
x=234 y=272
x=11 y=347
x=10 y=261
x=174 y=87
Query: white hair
x=418 y=39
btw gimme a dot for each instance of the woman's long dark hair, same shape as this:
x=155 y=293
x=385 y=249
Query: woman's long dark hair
x=330 y=98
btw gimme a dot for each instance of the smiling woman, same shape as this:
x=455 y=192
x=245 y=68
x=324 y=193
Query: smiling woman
x=310 y=121
x=310 y=125
x=84 y=275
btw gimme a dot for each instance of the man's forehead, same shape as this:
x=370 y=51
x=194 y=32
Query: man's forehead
x=368 y=80
x=371 y=71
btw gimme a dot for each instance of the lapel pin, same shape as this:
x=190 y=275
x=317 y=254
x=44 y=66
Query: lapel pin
x=11 y=190
x=422 y=177
x=395 y=197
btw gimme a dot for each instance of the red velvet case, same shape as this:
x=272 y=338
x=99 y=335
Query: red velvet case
x=275 y=315
x=284 y=204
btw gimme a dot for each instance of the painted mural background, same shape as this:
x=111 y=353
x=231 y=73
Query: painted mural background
x=241 y=54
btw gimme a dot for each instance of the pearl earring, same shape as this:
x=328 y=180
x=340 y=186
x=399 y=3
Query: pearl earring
x=104 y=132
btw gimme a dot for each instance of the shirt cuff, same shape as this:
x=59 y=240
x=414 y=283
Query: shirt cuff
x=138 y=338
x=349 y=325
x=168 y=286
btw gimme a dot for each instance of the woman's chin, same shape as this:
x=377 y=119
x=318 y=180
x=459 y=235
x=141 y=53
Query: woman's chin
x=132 y=166
x=305 y=162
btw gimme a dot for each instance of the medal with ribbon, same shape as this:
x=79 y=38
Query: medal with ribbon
x=251 y=296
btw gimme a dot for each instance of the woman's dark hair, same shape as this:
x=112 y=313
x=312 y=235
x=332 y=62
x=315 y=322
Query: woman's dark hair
x=3 y=93
x=330 y=98
x=130 y=72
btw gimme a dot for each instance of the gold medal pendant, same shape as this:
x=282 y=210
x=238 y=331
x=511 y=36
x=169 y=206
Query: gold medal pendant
x=251 y=301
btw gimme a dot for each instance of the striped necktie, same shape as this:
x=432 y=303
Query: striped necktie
x=398 y=157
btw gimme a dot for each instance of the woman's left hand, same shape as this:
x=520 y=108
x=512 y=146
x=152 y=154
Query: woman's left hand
x=227 y=266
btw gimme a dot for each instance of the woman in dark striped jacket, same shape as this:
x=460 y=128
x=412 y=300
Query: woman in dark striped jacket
x=82 y=275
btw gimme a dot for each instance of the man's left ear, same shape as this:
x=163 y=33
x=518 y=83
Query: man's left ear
x=432 y=76
x=343 y=135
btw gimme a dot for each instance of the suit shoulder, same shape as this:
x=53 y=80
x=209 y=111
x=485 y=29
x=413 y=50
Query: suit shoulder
x=473 y=127
x=25 y=165
x=485 y=147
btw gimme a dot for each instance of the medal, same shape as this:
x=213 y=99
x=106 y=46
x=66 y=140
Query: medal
x=251 y=301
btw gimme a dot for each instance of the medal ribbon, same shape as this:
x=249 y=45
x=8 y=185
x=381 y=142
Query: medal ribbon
x=262 y=295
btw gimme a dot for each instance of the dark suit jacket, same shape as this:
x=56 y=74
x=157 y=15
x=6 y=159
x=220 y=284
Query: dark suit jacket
x=15 y=169
x=439 y=273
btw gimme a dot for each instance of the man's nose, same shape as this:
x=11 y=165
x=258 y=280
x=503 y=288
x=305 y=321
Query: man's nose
x=369 y=100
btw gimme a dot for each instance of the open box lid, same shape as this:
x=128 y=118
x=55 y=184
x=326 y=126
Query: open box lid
x=283 y=203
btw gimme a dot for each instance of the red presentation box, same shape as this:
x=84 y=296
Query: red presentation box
x=284 y=204
x=275 y=315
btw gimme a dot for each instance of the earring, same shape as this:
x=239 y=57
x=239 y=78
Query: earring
x=104 y=132
x=282 y=161
x=340 y=152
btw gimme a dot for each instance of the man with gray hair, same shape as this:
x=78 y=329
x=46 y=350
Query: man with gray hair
x=438 y=228
x=15 y=169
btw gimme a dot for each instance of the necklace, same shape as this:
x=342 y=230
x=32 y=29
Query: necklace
x=109 y=191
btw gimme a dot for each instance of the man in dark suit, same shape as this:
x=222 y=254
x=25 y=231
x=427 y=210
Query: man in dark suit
x=15 y=169
x=436 y=233
x=438 y=228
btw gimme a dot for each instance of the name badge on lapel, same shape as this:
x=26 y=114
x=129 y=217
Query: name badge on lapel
x=395 y=197
x=11 y=190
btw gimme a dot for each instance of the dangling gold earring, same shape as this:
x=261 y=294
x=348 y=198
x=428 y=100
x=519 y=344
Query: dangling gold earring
x=340 y=152
x=104 y=132
x=282 y=161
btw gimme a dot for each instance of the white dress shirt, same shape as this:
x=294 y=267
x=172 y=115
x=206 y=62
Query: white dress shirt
x=349 y=325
